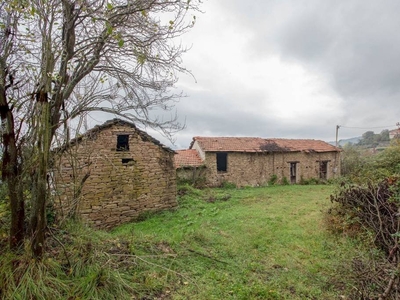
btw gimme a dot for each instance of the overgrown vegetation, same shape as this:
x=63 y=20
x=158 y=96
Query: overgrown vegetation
x=368 y=207
x=273 y=179
x=250 y=243
x=360 y=166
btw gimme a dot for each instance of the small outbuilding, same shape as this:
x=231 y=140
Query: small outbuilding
x=252 y=161
x=189 y=167
x=112 y=174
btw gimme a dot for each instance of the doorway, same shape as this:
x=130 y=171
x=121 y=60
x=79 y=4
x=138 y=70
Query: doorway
x=323 y=169
x=293 y=172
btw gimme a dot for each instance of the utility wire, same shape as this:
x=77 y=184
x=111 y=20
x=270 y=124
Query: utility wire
x=389 y=126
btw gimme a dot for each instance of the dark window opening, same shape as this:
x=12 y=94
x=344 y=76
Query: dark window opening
x=127 y=160
x=123 y=142
x=323 y=169
x=293 y=172
x=222 y=161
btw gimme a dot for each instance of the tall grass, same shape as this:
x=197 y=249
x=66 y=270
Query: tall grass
x=80 y=269
x=260 y=243
x=251 y=243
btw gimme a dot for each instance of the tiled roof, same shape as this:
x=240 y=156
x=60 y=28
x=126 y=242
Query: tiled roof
x=187 y=158
x=254 y=144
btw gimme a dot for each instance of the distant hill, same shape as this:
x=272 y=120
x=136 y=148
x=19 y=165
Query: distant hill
x=343 y=142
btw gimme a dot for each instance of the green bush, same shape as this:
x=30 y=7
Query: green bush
x=285 y=181
x=228 y=185
x=310 y=181
x=273 y=179
x=361 y=167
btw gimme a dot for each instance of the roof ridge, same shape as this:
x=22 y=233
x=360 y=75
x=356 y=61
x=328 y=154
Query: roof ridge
x=257 y=144
x=107 y=124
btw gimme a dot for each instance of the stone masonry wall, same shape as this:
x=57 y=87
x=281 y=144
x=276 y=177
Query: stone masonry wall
x=254 y=169
x=192 y=174
x=117 y=185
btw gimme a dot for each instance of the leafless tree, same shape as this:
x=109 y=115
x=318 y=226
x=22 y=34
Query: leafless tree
x=60 y=59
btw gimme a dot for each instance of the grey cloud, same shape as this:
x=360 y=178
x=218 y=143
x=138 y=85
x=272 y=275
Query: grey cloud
x=354 y=44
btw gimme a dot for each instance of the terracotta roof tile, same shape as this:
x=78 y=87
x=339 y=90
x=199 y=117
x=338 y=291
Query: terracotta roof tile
x=254 y=144
x=187 y=158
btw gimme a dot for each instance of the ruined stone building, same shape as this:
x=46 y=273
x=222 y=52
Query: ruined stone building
x=249 y=161
x=189 y=166
x=112 y=174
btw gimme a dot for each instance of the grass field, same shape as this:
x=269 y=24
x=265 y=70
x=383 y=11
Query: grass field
x=251 y=243
x=259 y=243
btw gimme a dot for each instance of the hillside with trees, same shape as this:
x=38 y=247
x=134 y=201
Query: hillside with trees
x=370 y=139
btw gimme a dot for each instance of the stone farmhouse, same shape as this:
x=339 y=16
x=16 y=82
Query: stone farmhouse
x=112 y=174
x=250 y=161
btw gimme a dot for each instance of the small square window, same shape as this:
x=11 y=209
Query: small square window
x=123 y=142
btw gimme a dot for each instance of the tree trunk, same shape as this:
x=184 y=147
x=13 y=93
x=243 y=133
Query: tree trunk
x=11 y=174
x=40 y=193
x=38 y=214
x=17 y=214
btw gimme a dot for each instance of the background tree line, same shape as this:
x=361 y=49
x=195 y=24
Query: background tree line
x=372 y=139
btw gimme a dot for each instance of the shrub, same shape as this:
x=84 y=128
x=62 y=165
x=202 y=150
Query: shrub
x=273 y=179
x=228 y=185
x=361 y=166
x=371 y=212
x=310 y=181
x=285 y=181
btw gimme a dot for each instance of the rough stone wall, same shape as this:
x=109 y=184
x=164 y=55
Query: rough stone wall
x=192 y=174
x=118 y=185
x=254 y=169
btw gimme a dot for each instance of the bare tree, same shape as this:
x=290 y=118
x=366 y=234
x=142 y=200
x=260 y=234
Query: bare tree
x=10 y=127
x=63 y=58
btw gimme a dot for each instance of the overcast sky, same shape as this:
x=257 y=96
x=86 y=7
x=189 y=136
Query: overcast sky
x=291 y=69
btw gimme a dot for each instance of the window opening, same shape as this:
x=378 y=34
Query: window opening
x=126 y=160
x=222 y=161
x=123 y=142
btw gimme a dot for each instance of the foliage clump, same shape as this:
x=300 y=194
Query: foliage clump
x=273 y=179
x=375 y=208
x=368 y=208
x=360 y=166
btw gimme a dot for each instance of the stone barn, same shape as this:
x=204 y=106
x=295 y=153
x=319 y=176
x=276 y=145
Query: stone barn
x=112 y=174
x=250 y=161
x=189 y=167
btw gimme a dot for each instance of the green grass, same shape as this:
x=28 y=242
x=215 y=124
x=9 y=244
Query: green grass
x=260 y=243
x=251 y=243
